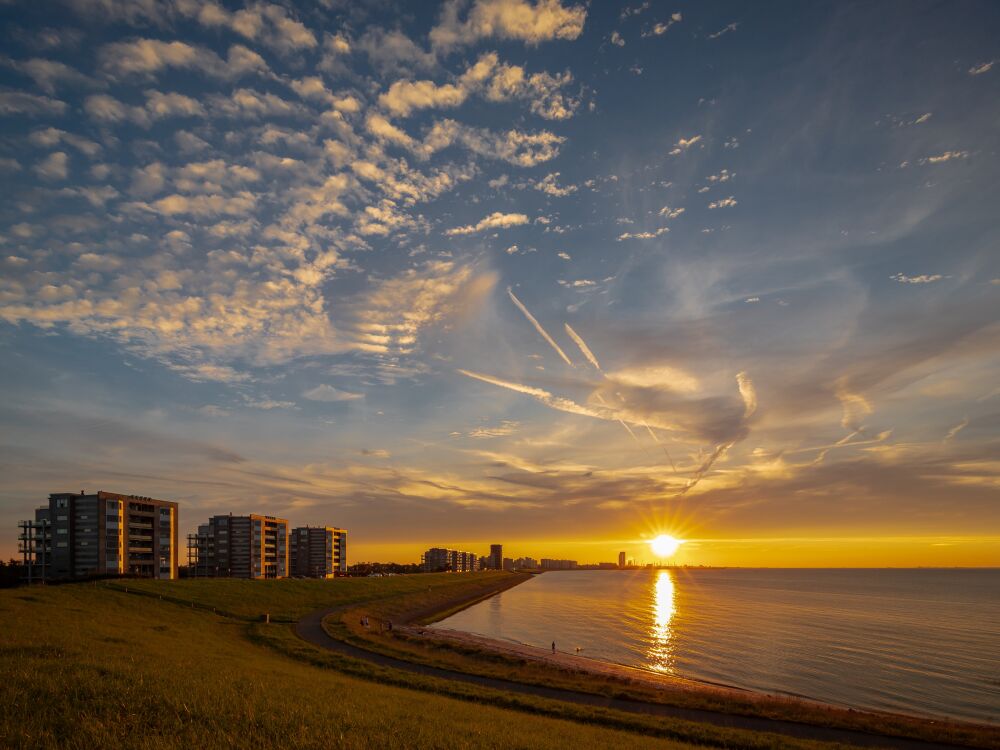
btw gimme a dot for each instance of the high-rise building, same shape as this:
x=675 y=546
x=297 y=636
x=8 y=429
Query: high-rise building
x=318 y=551
x=249 y=546
x=621 y=559
x=496 y=557
x=103 y=533
x=508 y=564
x=440 y=559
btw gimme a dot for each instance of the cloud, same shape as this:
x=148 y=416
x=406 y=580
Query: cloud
x=55 y=166
x=496 y=220
x=670 y=213
x=521 y=20
x=330 y=394
x=616 y=39
x=923 y=279
x=582 y=346
x=723 y=203
x=684 y=144
x=946 y=156
x=146 y=57
x=643 y=235
x=978 y=70
x=50 y=75
x=392 y=52
x=549 y=186
x=20 y=103
x=405 y=96
x=725 y=30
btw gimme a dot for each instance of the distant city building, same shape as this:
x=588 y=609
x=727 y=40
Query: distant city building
x=440 y=559
x=496 y=557
x=103 y=533
x=607 y=566
x=526 y=562
x=484 y=562
x=548 y=564
x=621 y=559
x=231 y=546
x=318 y=551
x=508 y=564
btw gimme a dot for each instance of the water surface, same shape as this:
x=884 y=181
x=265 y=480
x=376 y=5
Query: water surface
x=922 y=641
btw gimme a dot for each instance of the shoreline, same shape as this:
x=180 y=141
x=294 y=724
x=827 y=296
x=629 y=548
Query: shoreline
x=633 y=675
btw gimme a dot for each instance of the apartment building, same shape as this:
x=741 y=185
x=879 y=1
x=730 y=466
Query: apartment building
x=250 y=546
x=104 y=533
x=318 y=551
x=441 y=559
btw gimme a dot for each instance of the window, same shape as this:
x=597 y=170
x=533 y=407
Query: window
x=62 y=518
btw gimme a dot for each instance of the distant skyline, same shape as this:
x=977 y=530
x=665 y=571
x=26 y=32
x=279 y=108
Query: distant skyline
x=560 y=276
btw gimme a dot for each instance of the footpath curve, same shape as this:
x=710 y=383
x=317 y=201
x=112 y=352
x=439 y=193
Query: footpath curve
x=310 y=629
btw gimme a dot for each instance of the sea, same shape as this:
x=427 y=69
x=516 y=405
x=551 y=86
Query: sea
x=922 y=642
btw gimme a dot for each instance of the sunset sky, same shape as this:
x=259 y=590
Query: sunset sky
x=559 y=276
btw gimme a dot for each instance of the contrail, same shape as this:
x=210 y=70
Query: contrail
x=555 y=402
x=538 y=327
x=657 y=441
x=583 y=347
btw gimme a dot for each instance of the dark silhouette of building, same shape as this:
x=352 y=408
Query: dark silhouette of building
x=621 y=559
x=496 y=557
x=440 y=559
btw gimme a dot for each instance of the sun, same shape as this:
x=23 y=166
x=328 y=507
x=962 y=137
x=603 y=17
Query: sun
x=665 y=546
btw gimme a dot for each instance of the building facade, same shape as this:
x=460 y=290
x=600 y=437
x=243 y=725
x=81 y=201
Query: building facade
x=318 y=551
x=440 y=559
x=104 y=533
x=496 y=557
x=231 y=546
x=621 y=559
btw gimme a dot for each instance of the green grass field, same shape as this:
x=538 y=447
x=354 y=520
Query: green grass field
x=91 y=667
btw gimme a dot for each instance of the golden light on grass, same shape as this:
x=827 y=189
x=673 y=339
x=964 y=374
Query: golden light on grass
x=665 y=545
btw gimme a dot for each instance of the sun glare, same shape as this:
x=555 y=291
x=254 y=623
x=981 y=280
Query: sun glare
x=665 y=546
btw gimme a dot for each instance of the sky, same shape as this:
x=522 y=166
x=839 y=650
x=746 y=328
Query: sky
x=555 y=275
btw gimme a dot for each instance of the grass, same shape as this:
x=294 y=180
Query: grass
x=287 y=600
x=88 y=667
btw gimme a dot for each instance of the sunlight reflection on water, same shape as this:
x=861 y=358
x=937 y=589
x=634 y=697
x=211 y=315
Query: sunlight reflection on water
x=661 y=649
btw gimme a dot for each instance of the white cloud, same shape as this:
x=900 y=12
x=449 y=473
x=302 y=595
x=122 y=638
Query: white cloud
x=643 y=235
x=684 y=144
x=50 y=75
x=405 y=96
x=923 y=279
x=724 y=203
x=149 y=56
x=978 y=70
x=496 y=220
x=671 y=213
x=946 y=156
x=522 y=20
x=55 y=166
x=616 y=39
x=564 y=255
x=330 y=394
x=549 y=186
x=19 y=103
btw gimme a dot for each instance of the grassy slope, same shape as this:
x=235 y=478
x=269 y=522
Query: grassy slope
x=87 y=667
x=287 y=600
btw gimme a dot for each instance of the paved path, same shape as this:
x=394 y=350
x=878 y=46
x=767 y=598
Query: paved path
x=310 y=628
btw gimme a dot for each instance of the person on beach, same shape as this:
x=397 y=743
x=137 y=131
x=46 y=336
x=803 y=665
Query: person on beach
x=553 y=647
